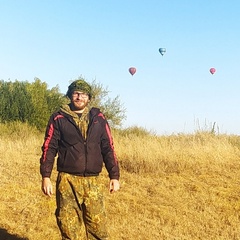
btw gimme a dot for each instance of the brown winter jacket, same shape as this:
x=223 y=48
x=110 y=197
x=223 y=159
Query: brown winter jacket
x=76 y=155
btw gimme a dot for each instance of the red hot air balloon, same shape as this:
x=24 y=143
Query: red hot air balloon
x=132 y=70
x=212 y=70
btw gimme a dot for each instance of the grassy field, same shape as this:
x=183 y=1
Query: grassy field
x=178 y=187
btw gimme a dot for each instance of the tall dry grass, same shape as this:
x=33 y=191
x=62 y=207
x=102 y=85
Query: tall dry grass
x=182 y=187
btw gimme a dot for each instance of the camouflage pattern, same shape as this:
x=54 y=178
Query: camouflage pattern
x=80 y=209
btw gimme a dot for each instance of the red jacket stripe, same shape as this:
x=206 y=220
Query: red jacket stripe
x=58 y=116
x=111 y=141
x=47 y=140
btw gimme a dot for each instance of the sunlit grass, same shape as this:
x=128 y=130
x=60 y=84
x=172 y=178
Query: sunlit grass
x=172 y=187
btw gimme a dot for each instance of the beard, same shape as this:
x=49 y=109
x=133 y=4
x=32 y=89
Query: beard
x=78 y=105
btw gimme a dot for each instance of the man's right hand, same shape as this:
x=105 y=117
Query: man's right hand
x=47 y=186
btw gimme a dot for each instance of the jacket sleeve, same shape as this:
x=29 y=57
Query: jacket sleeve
x=49 y=147
x=108 y=153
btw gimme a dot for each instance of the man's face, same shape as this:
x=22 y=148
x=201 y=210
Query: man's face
x=79 y=100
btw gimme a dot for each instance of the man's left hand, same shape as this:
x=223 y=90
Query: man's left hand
x=114 y=185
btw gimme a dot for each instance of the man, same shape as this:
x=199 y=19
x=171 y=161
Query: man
x=81 y=139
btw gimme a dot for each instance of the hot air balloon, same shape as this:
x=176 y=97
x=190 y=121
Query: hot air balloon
x=132 y=70
x=212 y=70
x=162 y=50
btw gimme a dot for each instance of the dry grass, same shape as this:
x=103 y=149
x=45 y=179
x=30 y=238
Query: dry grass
x=182 y=187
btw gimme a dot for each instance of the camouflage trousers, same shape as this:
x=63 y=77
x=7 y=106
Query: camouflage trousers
x=80 y=209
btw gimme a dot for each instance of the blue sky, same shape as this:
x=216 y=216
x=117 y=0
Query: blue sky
x=58 y=41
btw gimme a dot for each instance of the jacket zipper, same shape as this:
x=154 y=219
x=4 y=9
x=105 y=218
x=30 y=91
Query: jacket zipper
x=85 y=148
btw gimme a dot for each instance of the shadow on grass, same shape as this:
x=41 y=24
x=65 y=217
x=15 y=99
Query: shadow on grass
x=4 y=235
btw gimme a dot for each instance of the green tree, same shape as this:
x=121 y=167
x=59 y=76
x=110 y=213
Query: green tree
x=44 y=102
x=4 y=92
x=34 y=102
x=55 y=99
x=15 y=101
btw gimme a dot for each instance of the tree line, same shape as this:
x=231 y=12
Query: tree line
x=33 y=102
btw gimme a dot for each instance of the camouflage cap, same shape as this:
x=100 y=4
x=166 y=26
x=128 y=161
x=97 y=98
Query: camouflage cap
x=79 y=85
